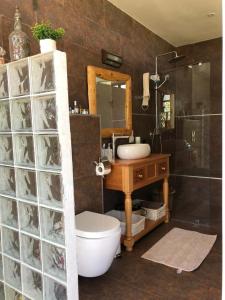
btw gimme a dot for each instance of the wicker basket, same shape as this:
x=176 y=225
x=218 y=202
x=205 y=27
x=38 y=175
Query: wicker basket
x=153 y=213
x=138 y=222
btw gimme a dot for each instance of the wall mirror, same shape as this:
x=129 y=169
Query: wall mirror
x=109 y=95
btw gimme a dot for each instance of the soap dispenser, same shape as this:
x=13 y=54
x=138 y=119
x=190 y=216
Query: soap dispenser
x=131 y=137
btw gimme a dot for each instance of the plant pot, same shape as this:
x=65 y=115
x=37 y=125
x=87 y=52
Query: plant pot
x=47 y=45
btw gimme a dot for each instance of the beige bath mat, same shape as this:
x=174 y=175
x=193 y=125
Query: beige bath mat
x=182 y=249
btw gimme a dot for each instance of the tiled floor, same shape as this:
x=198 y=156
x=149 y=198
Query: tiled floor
x=134 y=278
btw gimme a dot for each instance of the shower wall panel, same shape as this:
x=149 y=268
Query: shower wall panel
x=197 y=173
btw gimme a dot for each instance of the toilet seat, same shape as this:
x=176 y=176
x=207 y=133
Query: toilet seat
x=95 y=225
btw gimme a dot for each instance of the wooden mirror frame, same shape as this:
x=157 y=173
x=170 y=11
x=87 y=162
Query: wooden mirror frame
x=92 y=73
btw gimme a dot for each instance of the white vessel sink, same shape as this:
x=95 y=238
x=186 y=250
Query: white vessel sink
x=133 y=151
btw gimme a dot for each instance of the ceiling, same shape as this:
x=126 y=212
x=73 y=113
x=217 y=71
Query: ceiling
x=179 y=22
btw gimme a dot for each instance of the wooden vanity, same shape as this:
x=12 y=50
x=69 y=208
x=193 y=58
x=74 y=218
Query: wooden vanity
x=130 y=175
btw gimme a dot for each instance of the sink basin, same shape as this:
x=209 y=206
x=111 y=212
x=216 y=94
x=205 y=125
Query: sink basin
x=133 y=151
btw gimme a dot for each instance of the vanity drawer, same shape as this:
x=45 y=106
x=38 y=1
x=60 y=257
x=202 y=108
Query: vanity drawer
x=151 y=170
x=139 y=175
x=162 y=168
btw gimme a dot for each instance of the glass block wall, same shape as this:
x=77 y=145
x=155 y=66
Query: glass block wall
x=37 y=240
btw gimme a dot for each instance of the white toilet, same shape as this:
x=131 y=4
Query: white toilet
x=98 y=239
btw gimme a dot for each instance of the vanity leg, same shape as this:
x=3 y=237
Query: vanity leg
x=128 y=241
x=166 y=198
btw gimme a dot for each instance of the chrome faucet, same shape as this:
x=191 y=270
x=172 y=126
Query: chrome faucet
x=114 y=138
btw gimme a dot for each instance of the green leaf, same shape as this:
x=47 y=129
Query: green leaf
x=44 y=30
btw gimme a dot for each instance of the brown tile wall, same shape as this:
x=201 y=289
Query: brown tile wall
x=95 y=24
x=85 y=135
x=90 y=25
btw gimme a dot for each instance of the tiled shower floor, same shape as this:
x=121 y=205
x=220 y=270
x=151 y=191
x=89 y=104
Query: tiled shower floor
x=134 y=278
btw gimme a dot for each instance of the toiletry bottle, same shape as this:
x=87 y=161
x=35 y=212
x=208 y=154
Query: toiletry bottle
x=84 y=111
x=109 y=153
x=137 y=140
x=103 y=154
x=76 y=108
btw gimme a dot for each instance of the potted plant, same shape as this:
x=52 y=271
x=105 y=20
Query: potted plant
x=47 y=35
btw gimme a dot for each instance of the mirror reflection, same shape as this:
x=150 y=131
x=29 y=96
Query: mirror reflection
x=111 y=102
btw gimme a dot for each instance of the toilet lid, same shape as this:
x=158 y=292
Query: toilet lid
x=94 y=225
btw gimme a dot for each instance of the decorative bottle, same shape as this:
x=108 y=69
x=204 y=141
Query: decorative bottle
x=19 y=46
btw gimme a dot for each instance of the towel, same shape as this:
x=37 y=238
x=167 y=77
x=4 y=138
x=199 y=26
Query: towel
x=146 y=92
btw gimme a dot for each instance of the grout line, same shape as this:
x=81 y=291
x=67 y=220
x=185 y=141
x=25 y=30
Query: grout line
x=139 y=114
x=189 y=222
x=179 y=117
x=36 y=172
x=193 y=176
x=201 y=115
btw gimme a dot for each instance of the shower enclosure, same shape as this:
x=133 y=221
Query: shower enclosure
x=193 y=163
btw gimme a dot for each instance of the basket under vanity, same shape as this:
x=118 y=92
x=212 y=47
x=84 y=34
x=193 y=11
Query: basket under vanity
x=130 y=175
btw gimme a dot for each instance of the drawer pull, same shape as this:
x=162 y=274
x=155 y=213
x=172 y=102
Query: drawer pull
x=163 y=168
x=140 y=176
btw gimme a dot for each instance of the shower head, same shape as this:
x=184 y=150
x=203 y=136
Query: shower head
x=172 y=60
x=176 y=58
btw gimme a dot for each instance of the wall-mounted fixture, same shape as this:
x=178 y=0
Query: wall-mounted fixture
x=111 y=59
x=156 y=79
